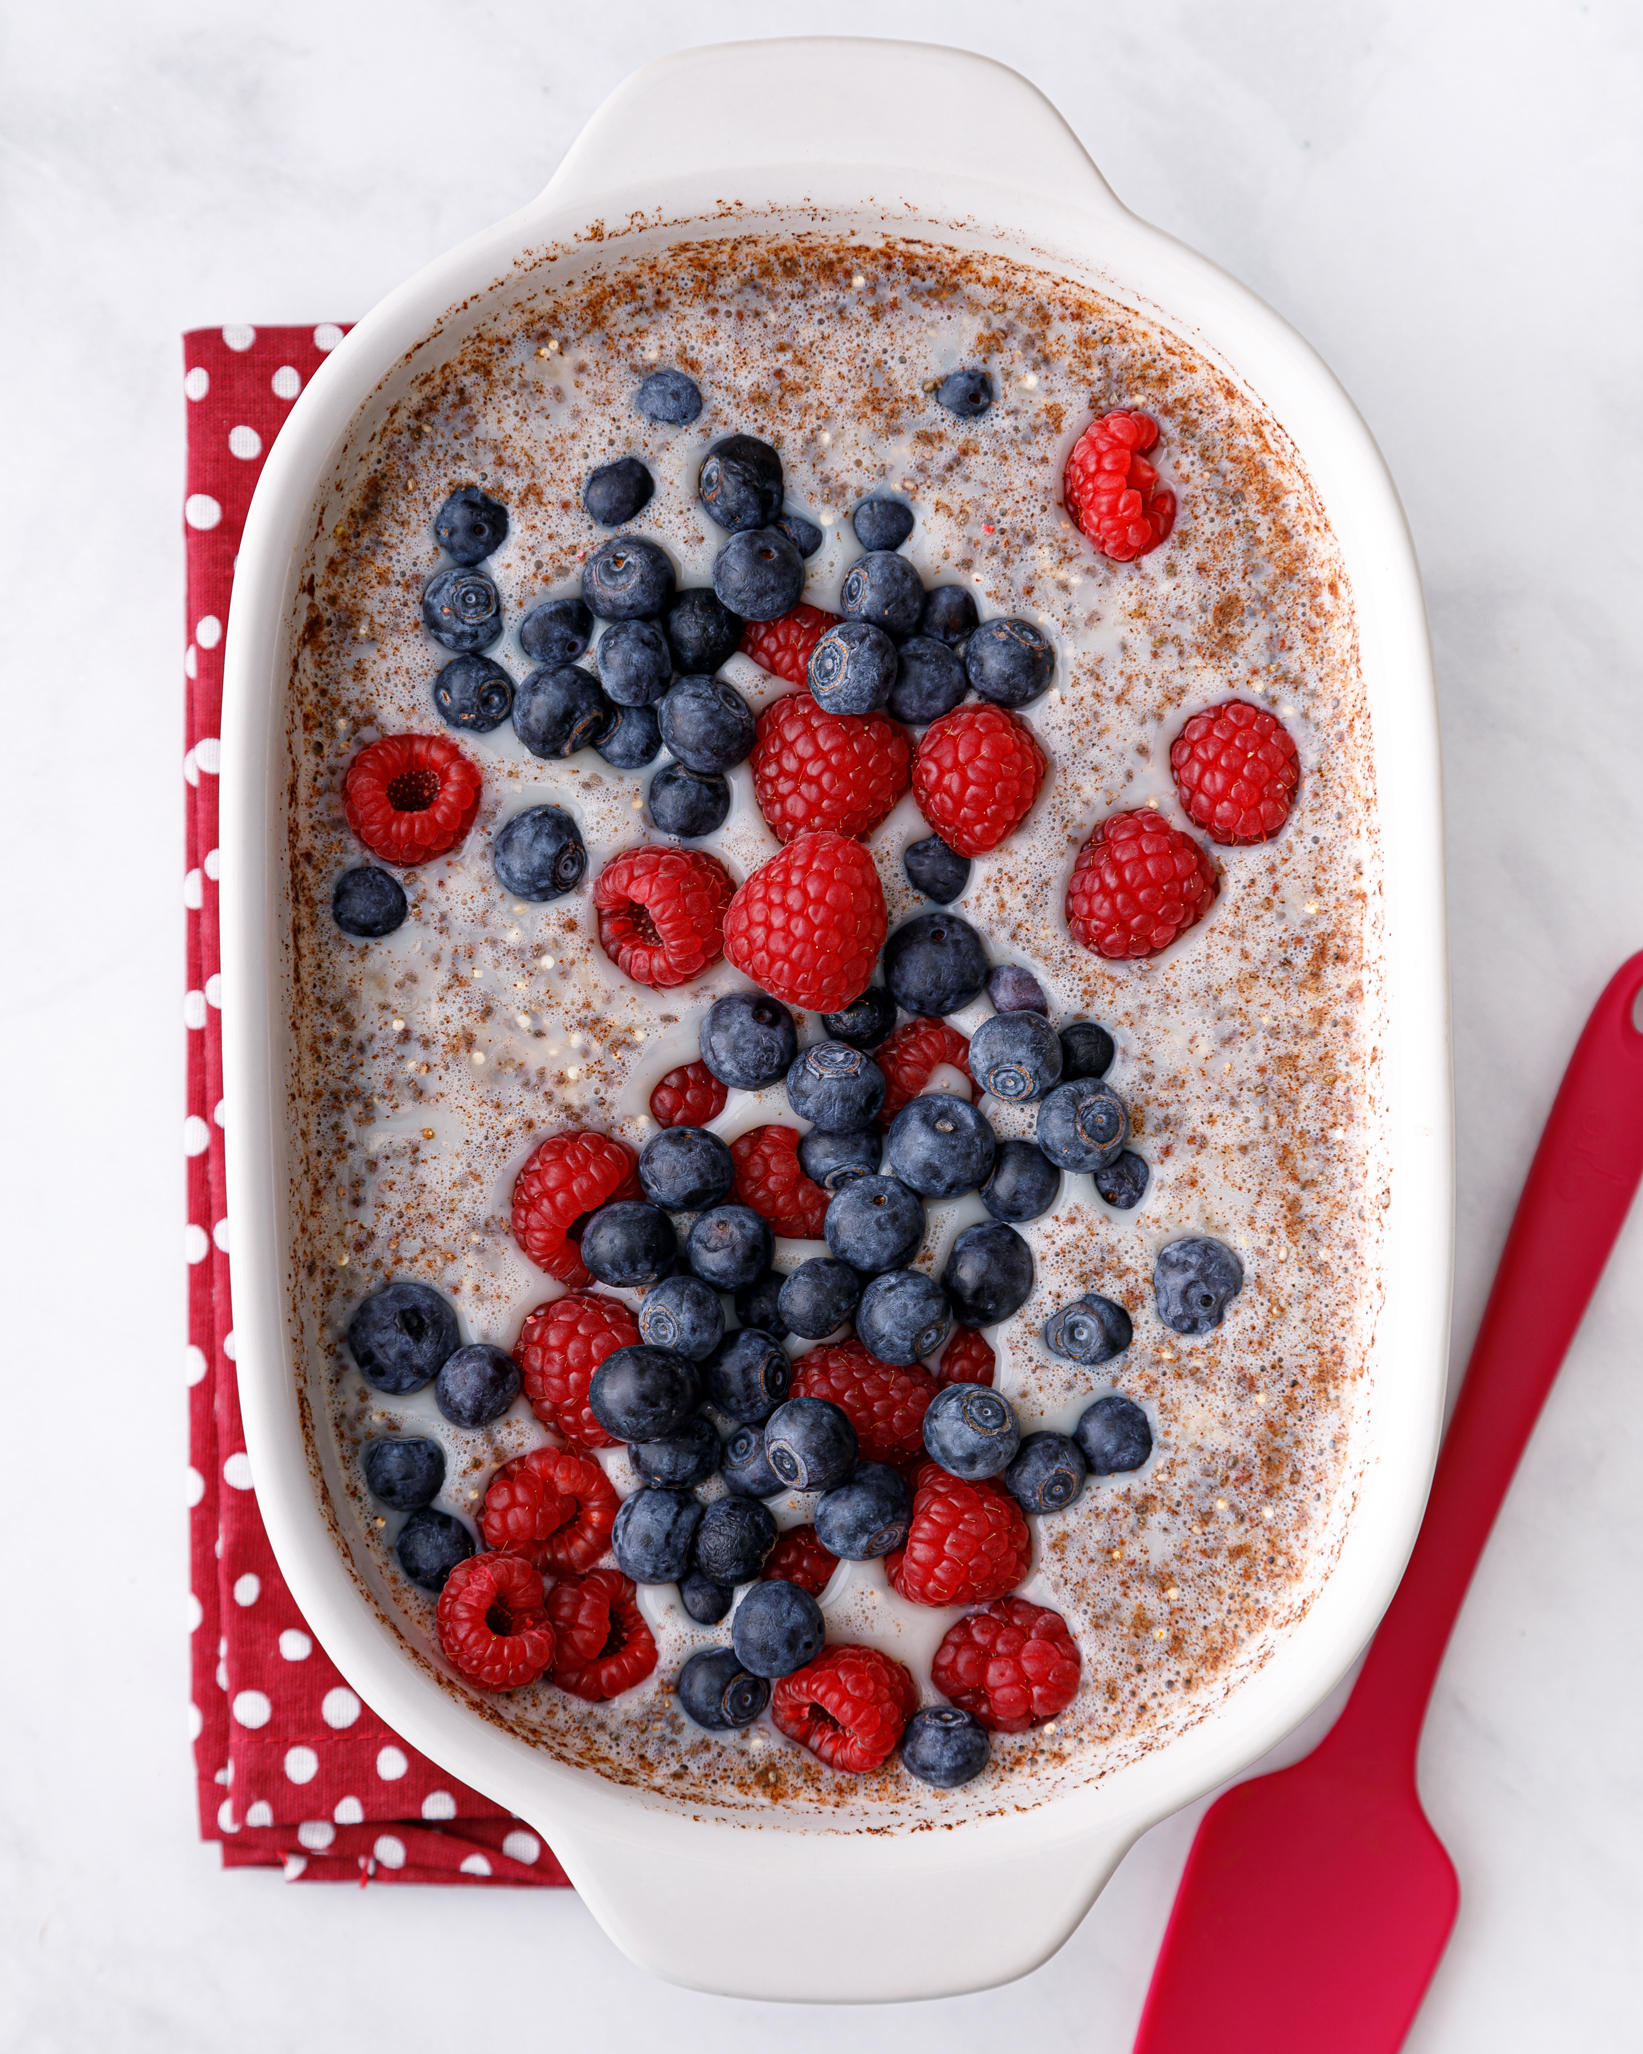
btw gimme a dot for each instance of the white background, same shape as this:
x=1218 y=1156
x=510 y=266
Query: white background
x=1445 y=199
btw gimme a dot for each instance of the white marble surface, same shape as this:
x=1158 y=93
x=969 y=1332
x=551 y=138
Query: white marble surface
x=1444 y=197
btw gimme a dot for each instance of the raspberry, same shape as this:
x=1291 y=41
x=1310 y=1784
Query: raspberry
x=1011 y=1665
x=885 y=1405
x=1235 y=771
x=1137 y=884
x=552 y=1506
x=769 y=1179
x=491 y=1624
x=560 y=1347
x=808 y=925
x=816 y=769
x=909 y=1054
x=849 y=1706
x=627 y=1653
x=976 y=775
x=967 y=1359
x=662 y=912
x=579 y=1607
x=1112 y=492
x=409 y=797
x=522 y=1509
x=798 y=1557
x=564 y=1179
x=688 y=1097
x=967 y=1544
x=783 y=646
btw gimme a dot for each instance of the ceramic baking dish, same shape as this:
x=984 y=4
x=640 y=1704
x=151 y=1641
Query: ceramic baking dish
x=872 y=137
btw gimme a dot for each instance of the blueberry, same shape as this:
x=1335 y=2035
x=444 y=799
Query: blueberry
x=759 y=1304
x=746 y=1467
x=867 y=1516
x=470 y=526
x=835 y=1087
x=834 y=1160
x=903 y=1316
x=635 y=662
x=1016 y=1056
x=1048 y=1474
x=705 y=1601
x=683 y=804
x=1024 y=1185
x=735 y=1536
x=777 y=1628
x=628 y=578
x=682 y=1313
x=748 y=1040
x=1015 y=990
x=759 y=574
x=747 y=1376
x=614 y=493
x=874 y=1224
x=1009 y=662
x=930 y=681
x=1113 y=1435
x=462 y=610
x=1194 y=1281
x=988 y=1274
x=538 y=854
x=557 y=712
x=670 y=397
x=949 y=615
x=935 y=963
x=966 y=393
x=940 y=1146
x=430 y=1545
x=801 y=531
x=936 y=870
x=740 y=483
x=883 y=588
x=476 y=1385
x=644 y=1394
x=368 y=903
x=1091 y=1329
x=685 y=1169
x=944 y=1746
x=707 y=724
x=556 y=633
x=971 y=1431
x=653 y=1532
x=634 y=740
x=1086 y=1050
x=702 y=632
x=400 y=1337
x=852 y=668
x=1123 y=1182
x=679 y=1459
x=717 y=1692
x=811 y=1444
x=628 y=1242
x=403 y=1474
x=819 y=1297
x=474 y=693
x=1082 y=1124
x=882 y=523
x=865 y=1021
x=729 y=1247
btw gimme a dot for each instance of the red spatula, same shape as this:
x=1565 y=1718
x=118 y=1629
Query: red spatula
x=1316 y=1902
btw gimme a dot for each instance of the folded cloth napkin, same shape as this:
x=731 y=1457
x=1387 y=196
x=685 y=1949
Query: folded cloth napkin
x=292 y=1769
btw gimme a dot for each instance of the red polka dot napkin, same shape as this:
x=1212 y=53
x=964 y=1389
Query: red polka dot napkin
x=293 y=1770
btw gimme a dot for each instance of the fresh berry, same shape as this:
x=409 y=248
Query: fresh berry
x=885 y=1405
x=1114 y=1435
x=1013 y=989
x=491 y=1623
x=689 y=1096
x=777 y=1629
x=882 y=523
x=740 y=483
x=635 y=662
x=557 y=712
x=949 y=615
x=1235 y=771
x=554 y=1507
x=615 y=492
x=940 y=1147
x=1012 y=1665
x=988 y=1274
x=411 y=797
x=683 y=1459
x=968 y=1543
x=811 y=1444
x=944 y=1746
x=559 y=1348
x=966 y=393
x=684 y=804
x=580 y=1611
x=682 y=1313
x=1137 y=885
x=748 y=1040
x=885 y=590
x=704 y=1600
x=971 y=1431
x=1193 y=1282
x=654 y=1529
x=1016 y=1056
x=707 y=724
x=1086 y=1050
x=538 y=855
x=718 y=1693
x=685 y=1169
x=783 y=646
x=476 y=1385
x=935 y=963
x=976 y=775
x=474 y=693
x=640 y=1393
x=770 y=1181
x=462 y=610
x=1091 y=1329
x=628 y=578
x=401 y=1336
x=668 y=396
x=799 y=1557
x=866 y=1517
x=747 y=1376
x=627 y=1654
x=368 y=903
x=556 y=633
x=865 y=1021
x=470 y=526
x=1009 y=662
x=1024 y=1184
x=937 y=871
x=730 y=1246
x=759 y=1304
x=1112 y=492
x=911 y=1057
x=1123 y=1182
x=759 y=574
x=874 y=1224
x=633 y=739
x=1047 y=1474
x=702 y=632
x=819 y=1297
x=629 y=1243
x=1082 y=1124
x=430 y=1545
x=903 y=1316
x=661 y=913
x=850 y=1706
x=852 y=668
x=732 y=1541
x=808 y=925
x=967 y=1359
x=930 y=681
x=835 y=1087
x=403 y=1473
x=834 y=1160
x=816 y=769
x=800 y=530
x=746 y=1468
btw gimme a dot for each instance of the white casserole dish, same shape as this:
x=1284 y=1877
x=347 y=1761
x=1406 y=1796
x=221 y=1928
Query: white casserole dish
x=709 y=1903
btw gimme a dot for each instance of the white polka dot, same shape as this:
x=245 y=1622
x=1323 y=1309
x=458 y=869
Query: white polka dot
x=295 y=1646
x=238 y=336
x=208 y=754
x=194 y=1365
x=317 y=1834
x=226 y=1820
x=292 y=1866
x=213 y=990
x=475 y=1865
x=191 y=663
x=439 y=1804
x=236 y=1472
x=196 y=1723
x=208 y=632
x=196 y=1243
x=392 y=1763
x=228 y=1338
x=197 y=383
x=222 y=1676
x=348 y=1811
x=219 y=1234
x=212 y=866
x=251 y=1708
x=389 y=1849
x=339 y=1707
x=244 y=443
x=219 y=1112
x=247 y=1588
x=327 y=335
x=301 y=1764
x=196 y=1140
x=196 y=1611
x=286 y=381
x=194 y=1009
x=226 y=1773
x=194 y=891
x=191 y=770
x=520 y=1846
x=259 y=1814
x=200 y=510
